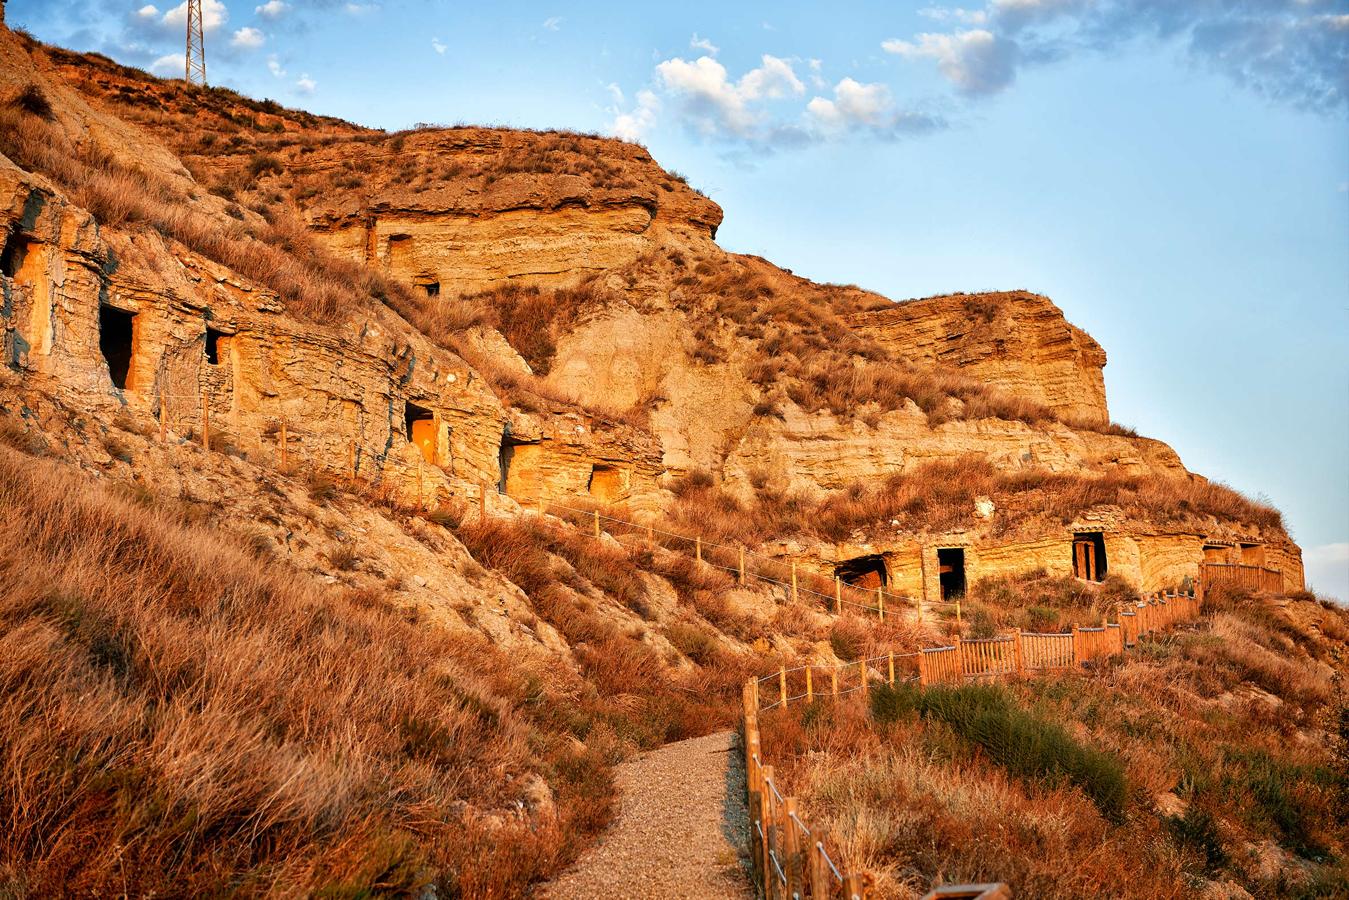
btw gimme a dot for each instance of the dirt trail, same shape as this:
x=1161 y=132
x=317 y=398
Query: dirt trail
x=680 y=832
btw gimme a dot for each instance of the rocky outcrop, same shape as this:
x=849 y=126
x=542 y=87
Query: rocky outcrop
x=1016 y=341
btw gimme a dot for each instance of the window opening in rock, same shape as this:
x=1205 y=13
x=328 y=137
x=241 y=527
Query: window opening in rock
x=951 y=572
x=213 y=346
x=432 y=288
x=1253 y=554
x=1089 y=556
x=116 y=338
x=605 y=483
x=863 y=572
x=420 y=427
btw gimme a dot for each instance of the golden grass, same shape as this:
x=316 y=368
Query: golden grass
x=918 y=804
x=177 y=719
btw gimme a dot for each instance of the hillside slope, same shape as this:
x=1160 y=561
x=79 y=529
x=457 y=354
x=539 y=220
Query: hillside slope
x=298 y=417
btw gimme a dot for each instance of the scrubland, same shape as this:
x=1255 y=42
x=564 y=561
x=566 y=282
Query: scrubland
x=1212 y=759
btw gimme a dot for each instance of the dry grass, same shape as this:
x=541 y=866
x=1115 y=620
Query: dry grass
x=177 y=720
x=636 y=692
x=920 y=800
x=940 y=496
x=279 y=255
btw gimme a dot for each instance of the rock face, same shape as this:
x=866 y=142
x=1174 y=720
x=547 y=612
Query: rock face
x=683 y=358
x=1015 y=340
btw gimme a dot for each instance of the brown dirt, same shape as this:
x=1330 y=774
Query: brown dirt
x=681 y=830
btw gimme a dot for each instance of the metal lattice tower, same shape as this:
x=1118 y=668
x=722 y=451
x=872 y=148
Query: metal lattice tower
x=196 y=45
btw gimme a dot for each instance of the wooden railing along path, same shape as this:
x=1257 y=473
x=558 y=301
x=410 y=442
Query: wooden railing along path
x=790 y=858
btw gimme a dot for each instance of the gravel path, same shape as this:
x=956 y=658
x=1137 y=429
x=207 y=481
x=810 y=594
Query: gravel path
x=681 y=829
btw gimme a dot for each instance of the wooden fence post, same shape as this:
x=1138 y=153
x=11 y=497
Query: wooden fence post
x=793 y=846
x=819 y=872
x=838 y=596
x=852 y=887
x=810 y=686
x=960 y=658
x=205 y=422
x=922 y=668
x=794 y=593
x=595 y=514
x=880 y=602
x=862 y=670
x=698 y=548
x=1020 y=659
x=833 y=677
x=891 y=659
x=1077 y=644
x=742 y=565
x=782 y=684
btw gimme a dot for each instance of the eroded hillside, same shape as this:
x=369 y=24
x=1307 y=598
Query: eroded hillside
x=360 y=392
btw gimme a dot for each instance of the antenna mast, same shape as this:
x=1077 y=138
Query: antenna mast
x=196 y=45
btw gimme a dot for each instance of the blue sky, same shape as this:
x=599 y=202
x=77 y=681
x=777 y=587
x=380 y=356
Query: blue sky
x=1175 y=175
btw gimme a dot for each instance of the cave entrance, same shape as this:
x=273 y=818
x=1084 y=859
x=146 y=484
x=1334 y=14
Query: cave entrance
x=419 y=425
x=1252 y=554
x=1089 y=556
x=1215 y=553
x=863 y=572
x=951 y=572
x=605 y=483
x=14 y=253
x=216 y=341
x=117 y=340
x=432 y=288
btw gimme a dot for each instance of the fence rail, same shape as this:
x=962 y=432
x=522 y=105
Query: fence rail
x=1256 y=578
x=1010 y=655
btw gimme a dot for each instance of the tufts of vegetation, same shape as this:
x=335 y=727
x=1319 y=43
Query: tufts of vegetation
x=34 y=102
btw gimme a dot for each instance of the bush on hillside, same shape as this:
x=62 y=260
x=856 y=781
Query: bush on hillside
x=1025 y=744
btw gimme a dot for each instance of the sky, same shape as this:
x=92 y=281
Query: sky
x=1173 y=173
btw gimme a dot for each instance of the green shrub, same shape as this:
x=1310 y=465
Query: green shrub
x=1198 y=831
x=892 y=702
x=1025 y=744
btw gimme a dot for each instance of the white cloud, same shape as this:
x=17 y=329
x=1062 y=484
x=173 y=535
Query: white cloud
x=360 y=9
x=703 y=44
x=213 y=15
x=306 y=85
x=943 y=14
x=976 y=60
x=853 y=104
x=248 y=38
x=272 y=9
x=1292 y=51
x=552 y=23
x=438 y=46
x=632 y=124
x=866 y=108
x=172 y=64
x=147 y=12
x=714 y=105
x=616 y=92
x=274 y=66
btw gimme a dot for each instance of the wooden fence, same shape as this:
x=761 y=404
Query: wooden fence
x=1255 y=578
x=792 y=860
